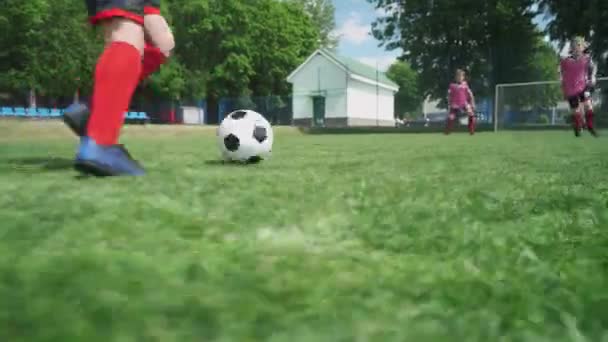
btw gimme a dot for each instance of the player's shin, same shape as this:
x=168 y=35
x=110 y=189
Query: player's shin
x=589 y=120
x=449 y=123
x=116 y=77
x=577 y=122
x=472 y=124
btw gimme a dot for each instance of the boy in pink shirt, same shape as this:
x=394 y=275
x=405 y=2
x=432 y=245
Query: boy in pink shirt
x=460 y=101
x=578 y=81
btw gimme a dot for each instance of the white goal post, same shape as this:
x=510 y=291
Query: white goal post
x=530 y=97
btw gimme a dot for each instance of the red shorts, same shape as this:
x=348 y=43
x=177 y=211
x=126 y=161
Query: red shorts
x=130 y=9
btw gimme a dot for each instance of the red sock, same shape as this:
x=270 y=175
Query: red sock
x=472 y=124
x=578 y=121
x=153 y=59
x=449 y=124
x=589 y=119
x=116 y=76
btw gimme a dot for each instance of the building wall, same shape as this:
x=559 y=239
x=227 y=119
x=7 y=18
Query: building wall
x=370 y=104
x=319 y=77
x=346 y=122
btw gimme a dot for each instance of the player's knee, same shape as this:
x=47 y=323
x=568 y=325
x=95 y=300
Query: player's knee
x=159 y=33
x=167 y=44
x=124 y=30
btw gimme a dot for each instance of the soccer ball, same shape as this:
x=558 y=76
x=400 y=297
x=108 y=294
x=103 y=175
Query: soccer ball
x=245 y=136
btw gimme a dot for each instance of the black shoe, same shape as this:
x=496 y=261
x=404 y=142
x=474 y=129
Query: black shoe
x=593 y=132
x=76 y=116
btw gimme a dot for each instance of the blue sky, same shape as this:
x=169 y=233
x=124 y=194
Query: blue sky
x=353 y=25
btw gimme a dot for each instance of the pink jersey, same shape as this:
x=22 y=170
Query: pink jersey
x=459 y=94
x=575 y=74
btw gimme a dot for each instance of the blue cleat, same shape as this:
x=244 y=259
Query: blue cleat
x=104 y=161
x=76 y=116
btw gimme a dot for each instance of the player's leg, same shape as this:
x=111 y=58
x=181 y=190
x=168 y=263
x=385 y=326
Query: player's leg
x=116 y=76
x=577 y=119
x=159 y=39
x=450 y=120
x=159 y=44
x=588 y=108
x=472 y=121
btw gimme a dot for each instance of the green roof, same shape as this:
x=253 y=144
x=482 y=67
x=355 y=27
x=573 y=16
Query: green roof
x=361 y=69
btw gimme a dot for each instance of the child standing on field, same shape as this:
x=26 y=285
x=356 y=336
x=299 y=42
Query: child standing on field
x=460 y=101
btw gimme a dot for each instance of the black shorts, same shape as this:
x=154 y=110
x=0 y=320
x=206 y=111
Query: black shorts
x=459 y=111
x=576 y=100
x=130 y=9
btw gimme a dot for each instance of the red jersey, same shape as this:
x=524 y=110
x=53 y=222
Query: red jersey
x=458 y=94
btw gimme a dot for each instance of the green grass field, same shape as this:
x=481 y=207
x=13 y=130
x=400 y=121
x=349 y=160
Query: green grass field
x=389 y=237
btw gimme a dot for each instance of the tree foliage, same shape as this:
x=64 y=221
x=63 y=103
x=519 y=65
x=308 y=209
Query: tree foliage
x=43 y=53
x=322 y=14
x=584 y=18
x=409 y=97
x=493 y=40
x=224 y=47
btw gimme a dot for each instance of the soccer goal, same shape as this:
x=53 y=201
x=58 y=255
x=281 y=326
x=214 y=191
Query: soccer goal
x=538 y=105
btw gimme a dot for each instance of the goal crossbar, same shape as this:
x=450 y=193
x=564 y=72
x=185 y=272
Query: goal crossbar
x=519 y=84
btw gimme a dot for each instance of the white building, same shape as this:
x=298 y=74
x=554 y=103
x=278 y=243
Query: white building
x=336 y=91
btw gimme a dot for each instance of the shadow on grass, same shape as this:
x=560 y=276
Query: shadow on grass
x=36 y=164
x=217 y=162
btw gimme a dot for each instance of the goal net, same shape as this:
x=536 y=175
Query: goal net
x=539 y=105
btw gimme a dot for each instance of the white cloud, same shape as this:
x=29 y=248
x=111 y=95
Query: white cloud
x=353 y=30
x=381 y=12
x=383 y=62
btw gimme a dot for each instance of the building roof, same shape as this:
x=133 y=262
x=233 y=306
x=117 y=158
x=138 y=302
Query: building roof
x=352 y=67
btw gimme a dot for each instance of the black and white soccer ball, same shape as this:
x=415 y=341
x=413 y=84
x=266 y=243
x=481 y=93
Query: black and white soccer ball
x=245 y=136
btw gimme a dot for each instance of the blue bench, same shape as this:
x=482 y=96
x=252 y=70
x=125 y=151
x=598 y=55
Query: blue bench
x=30 y=112
x=136 y=117
x=44 y=112
x=19 y=111
x=56 y=113
x=7 y=111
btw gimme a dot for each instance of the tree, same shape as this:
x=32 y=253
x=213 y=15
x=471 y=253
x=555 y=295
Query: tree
x=541 y=66
x=42 y=53
x=224 y=48
x=322 y=14
x=489 y=40
x=287 y=38
x=239 y=48
x=584 y=18
x=409 y=97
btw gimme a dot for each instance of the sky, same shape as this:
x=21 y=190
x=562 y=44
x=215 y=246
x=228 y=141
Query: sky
x=353 y=24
